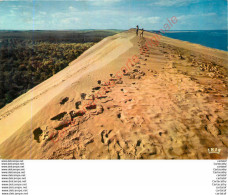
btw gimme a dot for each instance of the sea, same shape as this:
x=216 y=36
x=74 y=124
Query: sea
x=210 y=38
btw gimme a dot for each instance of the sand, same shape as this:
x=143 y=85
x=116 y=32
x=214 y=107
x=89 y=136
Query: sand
x=171 y=104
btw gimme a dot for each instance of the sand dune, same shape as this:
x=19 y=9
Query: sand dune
x=171 y=104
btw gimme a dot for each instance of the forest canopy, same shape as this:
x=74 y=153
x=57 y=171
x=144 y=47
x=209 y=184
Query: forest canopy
x=29 y=58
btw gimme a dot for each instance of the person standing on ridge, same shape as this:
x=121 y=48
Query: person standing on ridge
x=137 y=30
x=141 y=34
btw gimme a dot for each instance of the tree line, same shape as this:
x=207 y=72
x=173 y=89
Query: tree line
x=26 y=63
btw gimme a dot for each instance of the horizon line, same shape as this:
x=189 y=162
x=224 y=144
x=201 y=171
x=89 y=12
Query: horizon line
x=98 y=29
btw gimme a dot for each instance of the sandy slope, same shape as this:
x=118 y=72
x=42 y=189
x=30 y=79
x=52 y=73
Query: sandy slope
x=172 y=104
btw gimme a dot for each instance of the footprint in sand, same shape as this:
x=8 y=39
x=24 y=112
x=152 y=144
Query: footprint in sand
x=77 y=104
x=83 y=95
x=59 y=116
x=37 y=134
x=105 y=137
x=64 y=100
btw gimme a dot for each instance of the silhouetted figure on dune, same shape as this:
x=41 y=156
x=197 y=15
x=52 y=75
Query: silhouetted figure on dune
x=141 y=34
x=137 y=30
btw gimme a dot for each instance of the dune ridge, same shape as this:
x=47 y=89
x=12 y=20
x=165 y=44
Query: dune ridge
x=171 y=104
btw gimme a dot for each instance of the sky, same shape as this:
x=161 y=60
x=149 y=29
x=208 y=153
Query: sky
x=112 y=14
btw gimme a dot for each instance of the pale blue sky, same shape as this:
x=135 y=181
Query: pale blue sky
x=112 y=14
